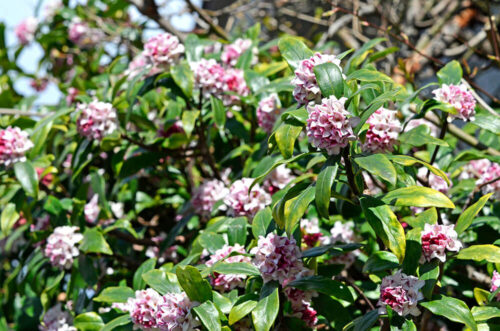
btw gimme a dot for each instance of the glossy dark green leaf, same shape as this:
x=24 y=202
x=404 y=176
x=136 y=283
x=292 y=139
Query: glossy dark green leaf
x=460 y=312
x=115 y=294
x=324 y=186
x=420 y=136
x=208 y=315
x=364 y=322
x=161 y=281
x=183 y=77
x=197 y=288
x=330 y=80
x=94 y=242
x=293 y=51
x=241 y=310
x=115 y=323
x=261 y=222
x=323 y=285
x=90 y=321
x=27 y=177
x=138 y=282
x=266 y=311
x=219 y=112
x=451 y=73
x=367 y=75
x=238 y=268
x=380 y=261
x=296 y=207
x=465 y=219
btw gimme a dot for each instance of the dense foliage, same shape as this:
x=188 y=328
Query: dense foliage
x=235 y=185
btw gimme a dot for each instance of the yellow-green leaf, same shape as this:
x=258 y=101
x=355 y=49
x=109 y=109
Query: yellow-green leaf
x=418 y=196
x=465 y=219
x=490 y=253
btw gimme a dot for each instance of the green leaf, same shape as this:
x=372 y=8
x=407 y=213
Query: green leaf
x=451 y=73
x=183 y=77
x=115 y=323
x=330 y=80
x=324 y=186
x=208 y=315
x=293 y=51
x=266 y=311
x=485 y=313
x=138 y=282
x=481 y=296
x=189 y=120
x=90 y=321
x=490 y=253
x=39 y=139
x=115 y=294
x=219 y=112
x=197 y=288
x=378 y=165
x=261 y=222
x=428 y=216
x=161 y=281
x=460 y=312
x=237 y=231
x=360 y=55
x=392 y=234
x=385 y=224
x=323 y=285
x=429 y=272
x=236 y=268
x=286 y=135
x=465 y=219
x=94 y=242
x=134 y=164
x=418 y=196
x=8 y=219
x=368 y=75
x=27 y=177
x=488 y=122
x=406 y=161
x=98 y=186
x=296 y=207
x=241 y=310
x=420 y=136
x=413 y=250
x=380 y=261
x=333 y=250
x=364 y=322
x=211 y=241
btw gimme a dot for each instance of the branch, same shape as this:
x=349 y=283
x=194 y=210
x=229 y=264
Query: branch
x=150 y=9
x=217 y=29
x=9 y=111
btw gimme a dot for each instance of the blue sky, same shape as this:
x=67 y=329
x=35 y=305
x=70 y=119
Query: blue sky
x=13 y=12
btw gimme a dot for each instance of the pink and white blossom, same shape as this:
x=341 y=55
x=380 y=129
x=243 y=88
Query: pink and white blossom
x=14 y=143
x=25 y=31
x=72 y=94
x=233 y=51
x=329 y=125
x=460 y=98
x=61 y=246
x=138 y=64
x=341 y=232
x=495 y=283
x=475 y=169
x=487 y=181
x=242 y=203
x=383 y=131
x=163 y=50
x=143 y=308
x=55 y=319
x=278 y=179
x=277 y=257
x=437 y=240
x=227 y=282
x=207 y=194
x=402 y=293
x=209 y=77
x=234 y=81
x=97 y=120
x=311 y=233
x=51 y=8
x=80 y=33
x=306 y=87
x=92 y=210
x=267 y=112
x=435 y=182
x=301 y=300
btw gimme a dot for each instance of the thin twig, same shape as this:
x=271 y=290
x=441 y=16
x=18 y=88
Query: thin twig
x=348 y=170
x=217 y=29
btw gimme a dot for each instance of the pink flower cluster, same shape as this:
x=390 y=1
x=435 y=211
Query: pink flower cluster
x=226 y=283
x=243 y=203
x=206 y=195
x=301 y=300
x=277 y=257
x=342 y=233
x=97 y=120
x=484 y=171
x=383 y=131
x=83 y=35
x=437 y=239
x=61 y=246
x=213 y=79
x=209 y=77
x=14 y=143
x=151 y=311
x=329 y=126
x=306 y=87
x=370 y=184
x=25 y=31
x=163 y=50
x=267 y=112
x=138 y=64
x=311 y=233
x=435 y=182
x=278 y=179
x=495 y=283
x=402 y=293
x=460 y=98
x=51 y=8
x=55 y=319
x=92 y=210
x=232 y=52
